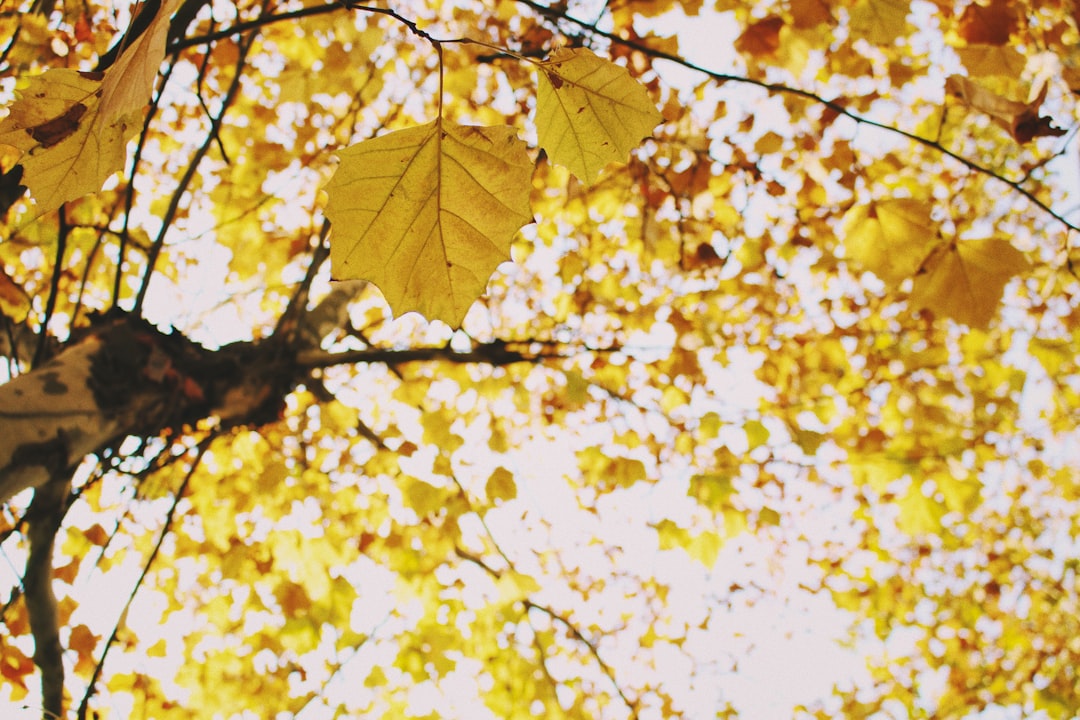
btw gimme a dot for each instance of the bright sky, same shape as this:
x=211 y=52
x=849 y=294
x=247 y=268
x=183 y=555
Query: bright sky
x=763 y=657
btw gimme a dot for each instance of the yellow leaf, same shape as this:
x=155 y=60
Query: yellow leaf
x=14 y=301
x=437 y=430
x=590 y=112
x=339 y=417
x=423 y=497
x=670 y=535
x=919 y=514
x=880 y=21
x=68 y=149
x=428 y=213
x=375 y=678
x=624 y=472
x=734 y=522
x=756 y=434
x=501 y=485
x=514 y=586
x=72 y=127
x=705 y=547
x=293 y=598
x=878 y=471
x=965 y=280
x=1051 y=354
x=711 y=490
x=768 y=516
x=961 y=495
x=808 y=440
x=983 y=60
x=890 y=238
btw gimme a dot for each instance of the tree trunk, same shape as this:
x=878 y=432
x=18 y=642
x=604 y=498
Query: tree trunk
x=124 y=377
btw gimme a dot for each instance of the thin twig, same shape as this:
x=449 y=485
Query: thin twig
x=779 y=88
x=180 y=491
x=189 y=174
x=54 y=287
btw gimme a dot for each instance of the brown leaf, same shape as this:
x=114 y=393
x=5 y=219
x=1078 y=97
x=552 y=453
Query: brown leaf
x=990 y=24
x=1021 y=120
x=13 y=299
x=761 y=38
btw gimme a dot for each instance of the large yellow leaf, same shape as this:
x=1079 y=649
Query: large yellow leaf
x=428 y=213
x=72 y=127
x=67 y=150
x=964 y=280
x=590 y=112
x=890 y=238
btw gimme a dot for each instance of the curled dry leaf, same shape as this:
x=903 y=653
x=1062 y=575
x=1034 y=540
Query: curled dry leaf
x=1021 y=120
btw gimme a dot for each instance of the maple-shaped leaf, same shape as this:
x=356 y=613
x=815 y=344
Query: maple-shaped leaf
x=890 y=238
x=72 y=127
x=428 y=213
x=1021 y=120
x=964 y=280
x=67 y=150
x=590 y=112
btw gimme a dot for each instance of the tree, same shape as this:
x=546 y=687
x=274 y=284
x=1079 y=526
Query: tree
x=798 y=310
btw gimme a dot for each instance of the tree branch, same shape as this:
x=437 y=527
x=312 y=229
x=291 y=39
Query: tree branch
x=593 y=650
x=43 y=520
x=494 y=353
x=203 y=447
x=189 y=174
x=777 y=88
x=572 y=629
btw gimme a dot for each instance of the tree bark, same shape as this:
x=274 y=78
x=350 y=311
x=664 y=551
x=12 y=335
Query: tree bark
x=124 y=377
x=43 y=520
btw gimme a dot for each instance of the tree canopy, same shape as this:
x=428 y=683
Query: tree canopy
x=504 y=359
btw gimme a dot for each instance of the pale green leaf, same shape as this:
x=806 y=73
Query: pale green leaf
x=590 y=112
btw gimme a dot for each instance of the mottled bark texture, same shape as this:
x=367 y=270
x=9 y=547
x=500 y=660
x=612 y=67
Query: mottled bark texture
x=121 y=377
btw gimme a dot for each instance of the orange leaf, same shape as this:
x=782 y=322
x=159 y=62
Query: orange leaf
x=990 y=24
x=14 y=667
x=761 y=38
x=82 y=641
x=13 y=299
